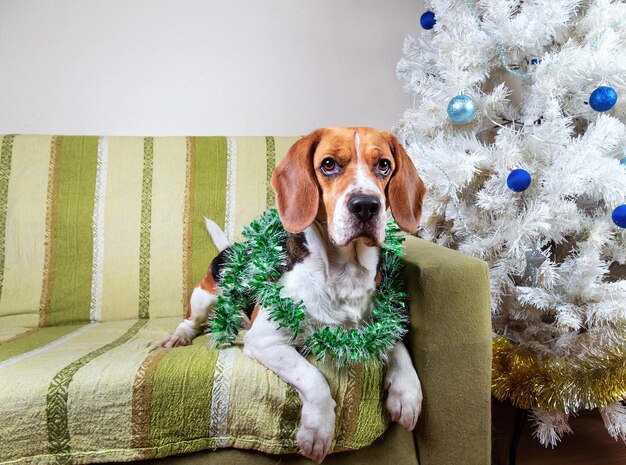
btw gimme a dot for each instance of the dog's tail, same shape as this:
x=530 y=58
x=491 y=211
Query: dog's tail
x=219 y=237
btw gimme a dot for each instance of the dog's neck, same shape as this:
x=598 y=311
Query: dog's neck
x=356 y=254
x=335 y=283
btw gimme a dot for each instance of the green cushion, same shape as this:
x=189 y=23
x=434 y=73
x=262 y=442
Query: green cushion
x=105 y=392
x=450 y=344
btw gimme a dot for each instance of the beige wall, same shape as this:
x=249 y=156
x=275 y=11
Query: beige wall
x=234 y=67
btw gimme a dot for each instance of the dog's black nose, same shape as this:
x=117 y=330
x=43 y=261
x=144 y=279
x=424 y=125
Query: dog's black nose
x=364 y=207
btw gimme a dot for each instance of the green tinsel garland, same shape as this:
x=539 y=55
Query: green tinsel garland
x=254 y=266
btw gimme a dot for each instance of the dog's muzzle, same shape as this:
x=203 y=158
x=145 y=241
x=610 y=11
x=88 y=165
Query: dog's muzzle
x=364 y=207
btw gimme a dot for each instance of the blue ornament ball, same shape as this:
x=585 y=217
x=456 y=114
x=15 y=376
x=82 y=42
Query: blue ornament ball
x=428 y=20
x=623 y=162
x=619 y=216
x=518 y=180
x=461 y=109
x=603 y=98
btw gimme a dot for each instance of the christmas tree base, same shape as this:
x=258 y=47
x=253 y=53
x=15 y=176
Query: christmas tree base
x=589 y=444
x=552 y=389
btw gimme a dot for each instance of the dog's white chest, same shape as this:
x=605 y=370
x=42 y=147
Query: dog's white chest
x=334 y=289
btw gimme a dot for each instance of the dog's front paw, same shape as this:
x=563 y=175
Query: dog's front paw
x=175 y=340
x=317 y=429
x=404 y=399
x=183 y=336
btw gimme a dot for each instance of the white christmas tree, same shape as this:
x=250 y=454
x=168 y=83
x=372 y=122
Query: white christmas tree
x=536 y=188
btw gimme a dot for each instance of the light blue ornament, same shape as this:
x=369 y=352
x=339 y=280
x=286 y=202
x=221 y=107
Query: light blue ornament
x=519 y=180
x=619 y=216
x=623 y=162
x=461 y=109
x=603 y=98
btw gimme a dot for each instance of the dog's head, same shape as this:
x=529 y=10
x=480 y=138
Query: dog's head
x=347 y=177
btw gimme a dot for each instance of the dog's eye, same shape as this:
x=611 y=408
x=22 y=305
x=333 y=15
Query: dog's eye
x=383 y=166
x=328 y=165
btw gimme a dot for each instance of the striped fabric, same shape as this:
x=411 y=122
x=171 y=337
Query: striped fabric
x=101 y=242
x=103 y=392
x=111 y=228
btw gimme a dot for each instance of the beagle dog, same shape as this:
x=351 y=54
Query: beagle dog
x=333 y=188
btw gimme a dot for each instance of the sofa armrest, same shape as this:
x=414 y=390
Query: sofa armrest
x=450 y=342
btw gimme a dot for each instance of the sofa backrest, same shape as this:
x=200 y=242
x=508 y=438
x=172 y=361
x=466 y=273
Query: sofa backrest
x=109 y=228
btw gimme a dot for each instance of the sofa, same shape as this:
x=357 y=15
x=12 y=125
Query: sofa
x=101 y=242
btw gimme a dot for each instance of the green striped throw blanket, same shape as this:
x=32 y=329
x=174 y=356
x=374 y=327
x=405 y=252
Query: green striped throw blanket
x=101 y=242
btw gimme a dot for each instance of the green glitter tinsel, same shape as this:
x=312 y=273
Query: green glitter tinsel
x=252 y=269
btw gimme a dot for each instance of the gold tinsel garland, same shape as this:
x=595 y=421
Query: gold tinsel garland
x=567 y=384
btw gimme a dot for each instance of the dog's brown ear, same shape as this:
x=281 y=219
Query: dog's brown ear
x=295 y=184
x=406 y=189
